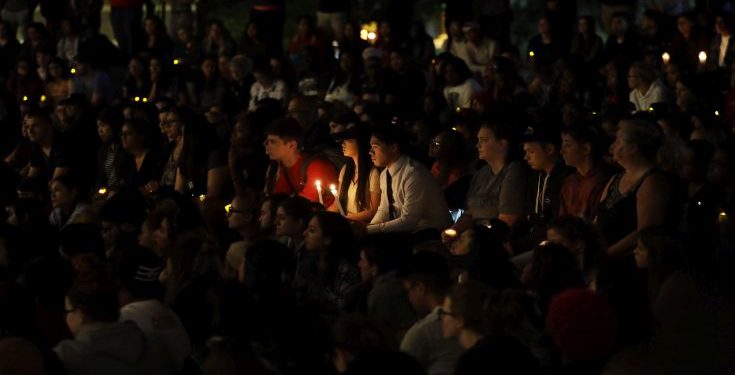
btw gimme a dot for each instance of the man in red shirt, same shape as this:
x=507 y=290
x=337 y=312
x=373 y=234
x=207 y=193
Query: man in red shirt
x=582 y=148
x=291 y=171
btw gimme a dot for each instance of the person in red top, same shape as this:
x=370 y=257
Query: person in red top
x=291 y=171
x=582 y=148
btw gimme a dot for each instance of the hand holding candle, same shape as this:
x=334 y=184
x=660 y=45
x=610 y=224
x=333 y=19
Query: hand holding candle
x=333 y=189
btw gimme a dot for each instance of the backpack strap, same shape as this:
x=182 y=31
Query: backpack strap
x=271 y=175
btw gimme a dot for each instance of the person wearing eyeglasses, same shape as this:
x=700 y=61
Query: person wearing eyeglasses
x=426 y=282
x=242 y=215
x=464 y=318
x=101 y=344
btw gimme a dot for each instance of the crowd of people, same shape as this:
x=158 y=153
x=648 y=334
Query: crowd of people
x=185 y=202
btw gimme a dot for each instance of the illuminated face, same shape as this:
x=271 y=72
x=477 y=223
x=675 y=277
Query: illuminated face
x=62 y=195
x=381 y=153
x=104 y=130
x=287 y=225
x=489 y=147
x=314 y=238
x=277 y=148
x=173 y=127
x=537 y=156
x=349 y=148
x=572 y=151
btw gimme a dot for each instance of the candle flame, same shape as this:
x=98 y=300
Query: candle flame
x=531 y=54
x=451 y=232
x=702 y=57
x=202 y=198
x=102 y=191
x=228 y=208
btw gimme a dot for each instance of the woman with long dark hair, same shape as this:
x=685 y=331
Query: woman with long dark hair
x=326 y=276
x=359 y=180
x=143 y=165
x=196 y=157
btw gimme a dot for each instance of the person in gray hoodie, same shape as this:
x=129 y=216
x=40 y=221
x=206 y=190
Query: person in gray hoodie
x=101 y=344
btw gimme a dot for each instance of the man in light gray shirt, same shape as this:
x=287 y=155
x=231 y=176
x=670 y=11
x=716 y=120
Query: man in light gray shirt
x=427 y=282
x=410 y=198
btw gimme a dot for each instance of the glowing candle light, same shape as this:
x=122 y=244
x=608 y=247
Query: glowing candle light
x=25 y=98
x=717 y=113
x=102 y=191
x=177 y=61
x=665 y=57
x=333 y=189
x=318 y=184
x=531 y=54
x=451 y=232
x=43 y=98
x=202 y=198
x=228 y=208
x=722 y=218
x=137 y=98
x=73 y=71
x=145 y=100
x=372 y=36
x=702 y=57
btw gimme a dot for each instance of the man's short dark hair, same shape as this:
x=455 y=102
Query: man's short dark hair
x=589 y=133
x=391 y=134
x=287 y=129
x=429 y=269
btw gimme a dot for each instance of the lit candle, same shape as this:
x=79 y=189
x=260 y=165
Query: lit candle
x=371 y=37
x=333 y=189
x=202 y=198
x=228 y=208
x=717 y=113
x=177 y=62
x=531 y=54
x=73 y=71
x=43 y=98
x=665 y=57
x=102 y=191
x=451 y=232
x=702 y=57
x=722 y=218
x=318 y=184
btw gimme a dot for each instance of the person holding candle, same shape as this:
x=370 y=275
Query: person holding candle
x=291 y=171
x=359 y=180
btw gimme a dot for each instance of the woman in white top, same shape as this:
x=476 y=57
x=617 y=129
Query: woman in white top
x=646 y=90
x=460 y=88
x=359 y=180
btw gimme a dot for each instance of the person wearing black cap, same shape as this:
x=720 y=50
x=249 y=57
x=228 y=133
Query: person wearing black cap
x=359 y=180
x=541 y=146
x=582 y=149
x=410 y=197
